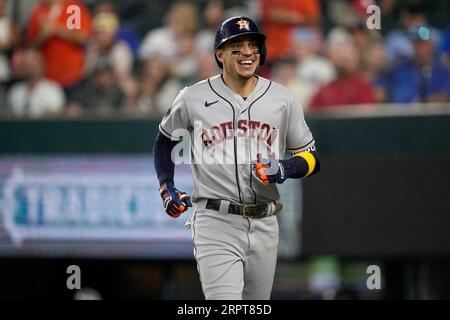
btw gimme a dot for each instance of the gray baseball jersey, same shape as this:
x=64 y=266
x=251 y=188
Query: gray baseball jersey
x=227 y=132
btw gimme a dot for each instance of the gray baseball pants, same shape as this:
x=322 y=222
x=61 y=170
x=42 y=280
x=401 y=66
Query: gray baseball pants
x=236 y=256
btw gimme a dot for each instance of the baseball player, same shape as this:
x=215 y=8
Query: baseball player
x=240 y=126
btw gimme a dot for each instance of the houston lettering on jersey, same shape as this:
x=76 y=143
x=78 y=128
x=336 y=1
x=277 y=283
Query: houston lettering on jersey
x=260 y=131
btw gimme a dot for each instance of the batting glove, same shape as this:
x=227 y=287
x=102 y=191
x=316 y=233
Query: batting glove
x=175 y=202
x=269 y=170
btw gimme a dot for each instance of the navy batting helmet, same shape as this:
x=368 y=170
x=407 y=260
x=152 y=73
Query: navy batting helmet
x=235 y=27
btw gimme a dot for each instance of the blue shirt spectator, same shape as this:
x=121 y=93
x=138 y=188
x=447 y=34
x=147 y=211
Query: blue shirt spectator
x=445 y=43
x=409 y=83
x=128 y=35
x=399 y=44
x=421 y=79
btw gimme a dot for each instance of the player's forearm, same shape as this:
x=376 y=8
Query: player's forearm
x=302 y=164
x=162 y=151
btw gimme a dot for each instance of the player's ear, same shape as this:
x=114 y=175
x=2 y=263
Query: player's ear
x=219 y=55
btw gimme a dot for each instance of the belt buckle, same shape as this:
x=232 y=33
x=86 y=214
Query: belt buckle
x=245 y=211
x=246 y=214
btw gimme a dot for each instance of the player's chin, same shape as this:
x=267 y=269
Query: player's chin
x=246 y=76
x=246 y=73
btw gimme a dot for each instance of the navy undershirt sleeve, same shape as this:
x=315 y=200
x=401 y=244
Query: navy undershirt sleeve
x=164 y=166
x=297 y=167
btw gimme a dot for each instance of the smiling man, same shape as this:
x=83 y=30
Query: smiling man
x=242 y=117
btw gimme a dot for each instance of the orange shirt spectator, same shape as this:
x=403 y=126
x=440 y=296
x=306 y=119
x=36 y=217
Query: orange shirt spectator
x=280 y=17
x=61 y=47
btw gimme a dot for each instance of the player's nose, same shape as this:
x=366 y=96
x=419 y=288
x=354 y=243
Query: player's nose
x=247 y=49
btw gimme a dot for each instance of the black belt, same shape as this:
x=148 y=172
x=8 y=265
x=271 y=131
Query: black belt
x=245 y=210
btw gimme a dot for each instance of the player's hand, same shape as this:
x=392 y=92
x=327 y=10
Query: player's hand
x=268 y=170
x=175 y=202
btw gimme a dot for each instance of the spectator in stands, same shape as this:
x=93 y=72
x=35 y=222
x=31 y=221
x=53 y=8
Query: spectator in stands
x=284 y=72
x=444 y=48
x=100 y=95
x=339 y=13
x=8 y=38
x=342 y=14
x=184 y=65
x=213 y=15
x=362 y=36
x=105 y=47
x=371 y=50
x=373 y=66
x=312 y=70
x=61 y=46
x=206 y=66
x=181 y=19
x=349 y=87
x=350 y=19
x=423 y=78
x=280 y=17
x=158 y=87
x=389 y=10
x=124 y=33
x=398 y=43
x=37 y=96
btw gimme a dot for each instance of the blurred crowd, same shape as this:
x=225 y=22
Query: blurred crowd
x=86 y=61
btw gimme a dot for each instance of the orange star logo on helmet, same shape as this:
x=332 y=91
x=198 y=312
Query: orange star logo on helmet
x=243 y=24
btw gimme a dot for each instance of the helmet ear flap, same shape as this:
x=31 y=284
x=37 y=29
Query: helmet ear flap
x=262 y=54
x=220 y=64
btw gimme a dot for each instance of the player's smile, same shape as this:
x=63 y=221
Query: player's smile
x=246 y=66
x=247 y=63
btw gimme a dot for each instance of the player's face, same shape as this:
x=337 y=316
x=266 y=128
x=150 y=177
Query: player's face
x=240 y=57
